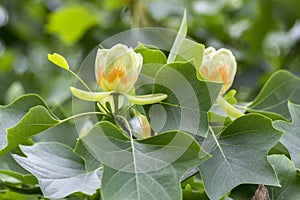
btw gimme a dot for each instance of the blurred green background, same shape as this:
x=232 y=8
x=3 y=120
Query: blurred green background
x=263 y=34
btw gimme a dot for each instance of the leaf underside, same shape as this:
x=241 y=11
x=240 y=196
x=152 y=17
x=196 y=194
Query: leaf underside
x=59 y=171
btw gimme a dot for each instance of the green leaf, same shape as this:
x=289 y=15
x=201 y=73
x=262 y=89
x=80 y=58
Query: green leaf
x=91 y=163
x=37 y=120
x=9 y=167
x=23 y=190
x=279 y=148
x=14 y=195
x=13 y=131
x=239 y=155
x=193 y=189
x=71 y=22
x=291 y=137
x=153 y=60
x=191 y=51
x=178 y=40
x=145 y=82
x=281 y=87
x=60 y=172
x=230 y=97
x=188 y=100
x=151 y=56
x=54 y=134
x=288 y=178
x=59 y=60
x=142 y=169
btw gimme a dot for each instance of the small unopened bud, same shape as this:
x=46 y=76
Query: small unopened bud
x=140 y=126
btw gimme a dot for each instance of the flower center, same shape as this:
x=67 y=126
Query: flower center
x=114 y=74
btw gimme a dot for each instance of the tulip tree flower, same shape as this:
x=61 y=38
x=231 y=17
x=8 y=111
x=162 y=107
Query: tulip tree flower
x=218 y=66
x=117 y=69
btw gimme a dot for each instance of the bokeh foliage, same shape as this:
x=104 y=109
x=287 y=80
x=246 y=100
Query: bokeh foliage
x=264 y=36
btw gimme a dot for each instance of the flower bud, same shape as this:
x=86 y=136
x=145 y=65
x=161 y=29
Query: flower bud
x=218 y=66
x=117 y=69
x=140 y=126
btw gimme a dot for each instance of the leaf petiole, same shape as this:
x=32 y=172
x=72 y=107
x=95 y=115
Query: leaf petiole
x=80 y=80
x=80 y=115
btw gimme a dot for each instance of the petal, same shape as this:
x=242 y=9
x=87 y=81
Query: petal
x=117 y=54
x=228 y=57
x=100 y=63
x=146 y=99
x=89 y=96
x=138 y=61
x=119 y=58
x=207 y=57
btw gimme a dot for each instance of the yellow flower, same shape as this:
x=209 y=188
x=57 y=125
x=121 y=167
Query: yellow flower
x=117 y=69
x=218 y=66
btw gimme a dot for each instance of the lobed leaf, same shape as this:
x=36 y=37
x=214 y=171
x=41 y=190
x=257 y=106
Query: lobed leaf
x=281 y=87
x=239 y=155
x=291 y=137
x=191 y=51
x=59 y=171
x=91 y=163
x=187 y=104
x=37 y=120
x=26 y=116
x=151 y=55
x=142 y=169
x=288 y=178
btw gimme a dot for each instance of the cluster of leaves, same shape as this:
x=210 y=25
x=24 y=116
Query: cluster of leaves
x=198 y=153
